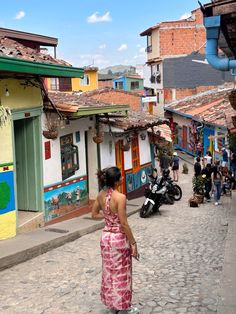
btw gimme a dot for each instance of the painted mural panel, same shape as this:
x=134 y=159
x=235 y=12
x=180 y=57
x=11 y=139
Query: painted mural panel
x=135 y=180
x=65 y=197
x=7 y=202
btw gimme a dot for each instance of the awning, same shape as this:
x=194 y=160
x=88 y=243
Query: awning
x=14 y=65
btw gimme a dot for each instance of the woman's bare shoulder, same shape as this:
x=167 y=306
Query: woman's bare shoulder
x=119 y=196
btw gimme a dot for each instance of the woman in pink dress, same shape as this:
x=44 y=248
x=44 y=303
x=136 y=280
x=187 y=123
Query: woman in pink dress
x=117 y=243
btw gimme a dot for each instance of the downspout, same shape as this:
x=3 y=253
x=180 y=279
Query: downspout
x=212 y=25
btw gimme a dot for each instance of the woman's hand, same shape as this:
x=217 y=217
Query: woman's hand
x=134 y=251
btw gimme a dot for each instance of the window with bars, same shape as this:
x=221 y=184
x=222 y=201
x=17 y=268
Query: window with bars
x=135 y=154
x=85 y=81
x=134 y=85
x=62 y=84
x=119 y=85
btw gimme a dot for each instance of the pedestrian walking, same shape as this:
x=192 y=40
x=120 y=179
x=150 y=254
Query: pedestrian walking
x=117 y=243
x=207 y=170
x=164 y=161
x=207 y=158
x=217 y=182
x=225 y=158
x=197 y=167
x=175 y=167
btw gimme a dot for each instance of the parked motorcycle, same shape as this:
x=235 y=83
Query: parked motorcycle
x=156 y=195
x=161 y=190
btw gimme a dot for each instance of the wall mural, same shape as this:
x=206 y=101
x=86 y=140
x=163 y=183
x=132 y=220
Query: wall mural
x=64 y=197
x=7 y=202
x=135 y=180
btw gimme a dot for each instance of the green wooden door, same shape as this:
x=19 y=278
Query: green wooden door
x=28 y=163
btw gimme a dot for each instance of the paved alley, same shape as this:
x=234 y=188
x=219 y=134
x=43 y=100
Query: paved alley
x=179 y=270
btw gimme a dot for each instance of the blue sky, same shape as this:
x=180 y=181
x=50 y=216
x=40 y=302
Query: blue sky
x=99 y=32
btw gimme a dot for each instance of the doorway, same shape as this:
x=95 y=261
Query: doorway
x=120 y=163
x=28 y=164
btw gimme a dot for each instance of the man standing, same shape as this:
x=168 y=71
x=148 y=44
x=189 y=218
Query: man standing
x=225 y=158
x=164 y=161
x=197 y=167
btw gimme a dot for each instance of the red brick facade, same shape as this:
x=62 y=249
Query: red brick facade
x=185 y=92
x=102 y=84
x=119 y=98
x=183 y=36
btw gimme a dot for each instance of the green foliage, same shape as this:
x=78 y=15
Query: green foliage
x=198 y=184
x=232 y=143
x=5 y=194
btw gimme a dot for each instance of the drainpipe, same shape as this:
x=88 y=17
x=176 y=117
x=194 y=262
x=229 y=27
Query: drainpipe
x=212 y=25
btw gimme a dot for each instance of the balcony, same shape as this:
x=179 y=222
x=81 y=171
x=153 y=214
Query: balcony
x=149 y=49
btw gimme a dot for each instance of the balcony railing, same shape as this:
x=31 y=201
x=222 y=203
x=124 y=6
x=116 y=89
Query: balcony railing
x=148 y=49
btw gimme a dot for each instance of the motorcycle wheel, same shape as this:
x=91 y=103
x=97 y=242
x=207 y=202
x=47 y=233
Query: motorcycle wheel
x=146 y=210
x=169 y=199
x=177 y=193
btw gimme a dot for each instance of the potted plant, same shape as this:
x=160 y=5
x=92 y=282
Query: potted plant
x=198 y=187
x=185 y=168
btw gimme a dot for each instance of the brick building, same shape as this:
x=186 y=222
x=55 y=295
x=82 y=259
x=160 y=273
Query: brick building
x=119 y=97
x=175 y=53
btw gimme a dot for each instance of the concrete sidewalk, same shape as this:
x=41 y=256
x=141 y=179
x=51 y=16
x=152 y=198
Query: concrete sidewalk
x=29 y=245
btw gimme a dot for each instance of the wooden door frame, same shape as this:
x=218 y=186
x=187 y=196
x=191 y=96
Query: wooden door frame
x=25 y=114
x=118 y=149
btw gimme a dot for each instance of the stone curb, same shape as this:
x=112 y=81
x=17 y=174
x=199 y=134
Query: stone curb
x=34 y=251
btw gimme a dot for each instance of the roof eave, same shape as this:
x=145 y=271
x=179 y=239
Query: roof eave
x=15 y=65
x=100 y=110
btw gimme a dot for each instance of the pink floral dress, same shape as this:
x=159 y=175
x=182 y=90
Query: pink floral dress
x=116 y=287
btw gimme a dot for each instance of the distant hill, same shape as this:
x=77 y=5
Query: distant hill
x=118 y=69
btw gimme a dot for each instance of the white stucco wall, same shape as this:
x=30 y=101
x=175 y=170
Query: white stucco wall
x=108 y=154
x=144 y=149
x=52 y=166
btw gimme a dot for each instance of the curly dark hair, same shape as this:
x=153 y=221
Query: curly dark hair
x=108 y=177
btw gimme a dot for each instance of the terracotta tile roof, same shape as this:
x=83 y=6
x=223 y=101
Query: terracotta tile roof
x=110 y=89
x=134 y=120
x=14 y=49
x=165 y=131
x=71 y=102
x=212 y=106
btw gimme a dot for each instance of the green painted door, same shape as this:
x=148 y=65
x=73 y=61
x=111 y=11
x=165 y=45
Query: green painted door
x=28 y=163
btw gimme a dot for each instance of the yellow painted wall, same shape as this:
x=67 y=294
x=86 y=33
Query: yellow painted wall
x=76 y=82
x=93 y=79
x=8 y=225
x=6 y=154
x=21 y=96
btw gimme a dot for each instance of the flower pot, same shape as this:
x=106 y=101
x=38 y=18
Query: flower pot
x=200 y=198
x=232 y=98
x=126 y=147
x=98 y=139
x=52 y=135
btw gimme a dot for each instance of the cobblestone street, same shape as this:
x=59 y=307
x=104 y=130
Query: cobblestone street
x=179 y=270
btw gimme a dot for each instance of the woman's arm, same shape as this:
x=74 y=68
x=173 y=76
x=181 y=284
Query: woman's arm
x=96 y=214
x=124 y=223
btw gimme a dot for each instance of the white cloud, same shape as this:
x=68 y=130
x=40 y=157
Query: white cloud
x=123 y=47
x=93 y=59
x=102 y=46
x=142 y=50
x=20 y=15
x=96 y=18
x=185 y=16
